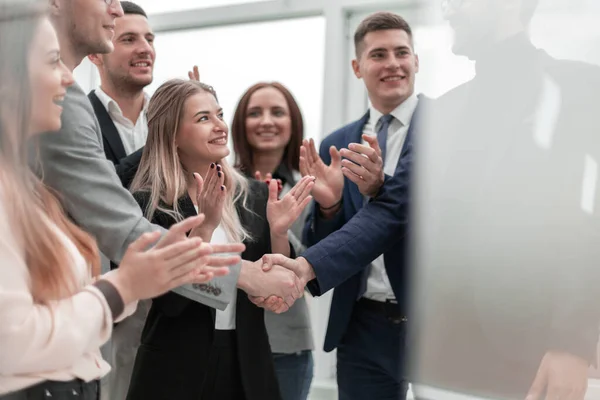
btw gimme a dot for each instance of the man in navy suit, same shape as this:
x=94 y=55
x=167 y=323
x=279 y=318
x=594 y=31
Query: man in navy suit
x=507 y=232
x=368 y=311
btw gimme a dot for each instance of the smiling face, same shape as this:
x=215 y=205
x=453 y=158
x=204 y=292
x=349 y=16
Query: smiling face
x=49 y=79
x=268 y=121
x=387 y=64
x=131 y=64
x=202 y=134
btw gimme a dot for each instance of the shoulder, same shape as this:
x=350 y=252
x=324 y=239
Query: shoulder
x=340 y=134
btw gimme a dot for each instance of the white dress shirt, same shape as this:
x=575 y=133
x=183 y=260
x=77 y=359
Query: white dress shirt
x=378 y=283
x=224 y=320
x=133 y=136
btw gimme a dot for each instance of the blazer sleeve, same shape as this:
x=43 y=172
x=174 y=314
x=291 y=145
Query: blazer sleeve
x=127 y=167
x=74 y=164
x=371 y=232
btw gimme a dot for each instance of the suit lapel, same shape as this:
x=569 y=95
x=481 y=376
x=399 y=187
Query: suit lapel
x=355 y=136
x=109 y=130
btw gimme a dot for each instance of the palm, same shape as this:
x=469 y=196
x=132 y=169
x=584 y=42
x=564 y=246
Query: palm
x=282 y=214
x=329 y=184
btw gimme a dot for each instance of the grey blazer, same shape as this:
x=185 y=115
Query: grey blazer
x=291 y=331
x=72 y=162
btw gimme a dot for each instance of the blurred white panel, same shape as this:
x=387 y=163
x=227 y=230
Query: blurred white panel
x=232 y=58
x=161 y=6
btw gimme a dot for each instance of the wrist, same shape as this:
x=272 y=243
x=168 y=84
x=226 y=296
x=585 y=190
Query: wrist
x=328 y=213
x=120 y=284
x=244 y=279
x=306 y=270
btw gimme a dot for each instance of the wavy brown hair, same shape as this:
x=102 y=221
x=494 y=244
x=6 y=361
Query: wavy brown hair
x=244 y=155
x=161 y=172
x=34 y=210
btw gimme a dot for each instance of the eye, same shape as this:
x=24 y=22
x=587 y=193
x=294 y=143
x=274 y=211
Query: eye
x=220 y=115
x=202 y=119
x=254 y=114
x=279 y=113
x=377 y=55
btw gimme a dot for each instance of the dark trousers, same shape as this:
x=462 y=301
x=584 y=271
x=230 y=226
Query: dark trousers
x=52 y=390
x=370 y=357
x=223 y=380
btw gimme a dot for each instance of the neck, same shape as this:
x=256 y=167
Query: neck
x=130 y=102
x=68 y=50
x=387 y=107
x=267 y=162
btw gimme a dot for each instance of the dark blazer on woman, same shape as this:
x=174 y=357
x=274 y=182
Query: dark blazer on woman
x=172 y=360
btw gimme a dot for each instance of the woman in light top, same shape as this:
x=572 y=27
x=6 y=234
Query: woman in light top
x=189 y=350
x=55 y=311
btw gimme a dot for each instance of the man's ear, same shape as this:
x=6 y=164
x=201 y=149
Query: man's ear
x=356 y=68
x=96 y=59
x=416 y=63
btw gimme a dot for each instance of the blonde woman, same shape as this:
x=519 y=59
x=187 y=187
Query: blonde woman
x=189 y=350
x=53 y=318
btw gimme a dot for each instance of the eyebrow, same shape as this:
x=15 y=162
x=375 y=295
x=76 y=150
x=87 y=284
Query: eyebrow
x=384 y=49
x=207 y=112
x=147 y=34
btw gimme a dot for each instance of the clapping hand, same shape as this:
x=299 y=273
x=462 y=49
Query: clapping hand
x=282 y=214
x=194 y=74
x=329 y=183
x=210 y=197
x=364 y=165
x=267 y=179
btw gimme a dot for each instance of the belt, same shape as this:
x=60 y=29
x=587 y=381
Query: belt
x=388 y=309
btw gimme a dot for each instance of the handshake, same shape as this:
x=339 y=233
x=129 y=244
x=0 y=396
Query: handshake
x=275 y=282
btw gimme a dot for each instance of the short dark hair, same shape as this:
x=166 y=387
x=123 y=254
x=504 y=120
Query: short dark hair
x=130 y=7
x=379 y=21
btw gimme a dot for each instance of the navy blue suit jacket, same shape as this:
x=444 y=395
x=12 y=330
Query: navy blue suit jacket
x=340 y=260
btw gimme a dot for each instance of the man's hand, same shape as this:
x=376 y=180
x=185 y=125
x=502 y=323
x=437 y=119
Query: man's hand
x=364 y=165
x=299 y=266
x=194 y=74
x=329 y=184
x=560 y=376
x=282 y=214
x=279 y=284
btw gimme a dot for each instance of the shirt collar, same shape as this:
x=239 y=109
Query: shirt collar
x=113 y=106
x=402 y=113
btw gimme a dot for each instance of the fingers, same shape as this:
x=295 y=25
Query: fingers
x=357 y=179
x=273 y=191
x=538 y=386
x=194 y=74
x=144 y=241
x=336 y=157
x=258 y=176
x=278 y=259
x=304 y=191
x=228 y=248
x=373 y=142
x=222 y=261
x=179 y=230
x=199 y=183
x=312 y=153
x=363 y=151
x=305 y=168
x=174 y=250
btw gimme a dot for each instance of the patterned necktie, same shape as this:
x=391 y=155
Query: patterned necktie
x=382 y=134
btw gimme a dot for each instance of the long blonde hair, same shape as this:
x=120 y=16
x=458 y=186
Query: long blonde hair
x=161 y=172
x=32 y=208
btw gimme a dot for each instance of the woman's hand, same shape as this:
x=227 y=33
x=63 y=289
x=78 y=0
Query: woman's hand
x=281 y=214
x=329 y=184
x=146 y=272
x=210 y=197
x=267 y=179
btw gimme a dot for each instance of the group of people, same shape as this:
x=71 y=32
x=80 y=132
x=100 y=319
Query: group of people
x=125 y=230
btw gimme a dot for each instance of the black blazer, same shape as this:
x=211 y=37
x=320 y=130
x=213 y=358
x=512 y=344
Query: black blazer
x=171 y=362
x=126 y=166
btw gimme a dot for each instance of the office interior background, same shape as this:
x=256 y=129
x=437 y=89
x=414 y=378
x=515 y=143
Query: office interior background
x=308 y=45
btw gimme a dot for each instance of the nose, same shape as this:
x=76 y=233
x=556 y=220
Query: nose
x=115 y=9
x=267 y=119
x=145 y=47
x=67 y=78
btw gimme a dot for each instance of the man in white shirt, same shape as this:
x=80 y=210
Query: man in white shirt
x=120 y=102
x=120 y=105
x=367 y=322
